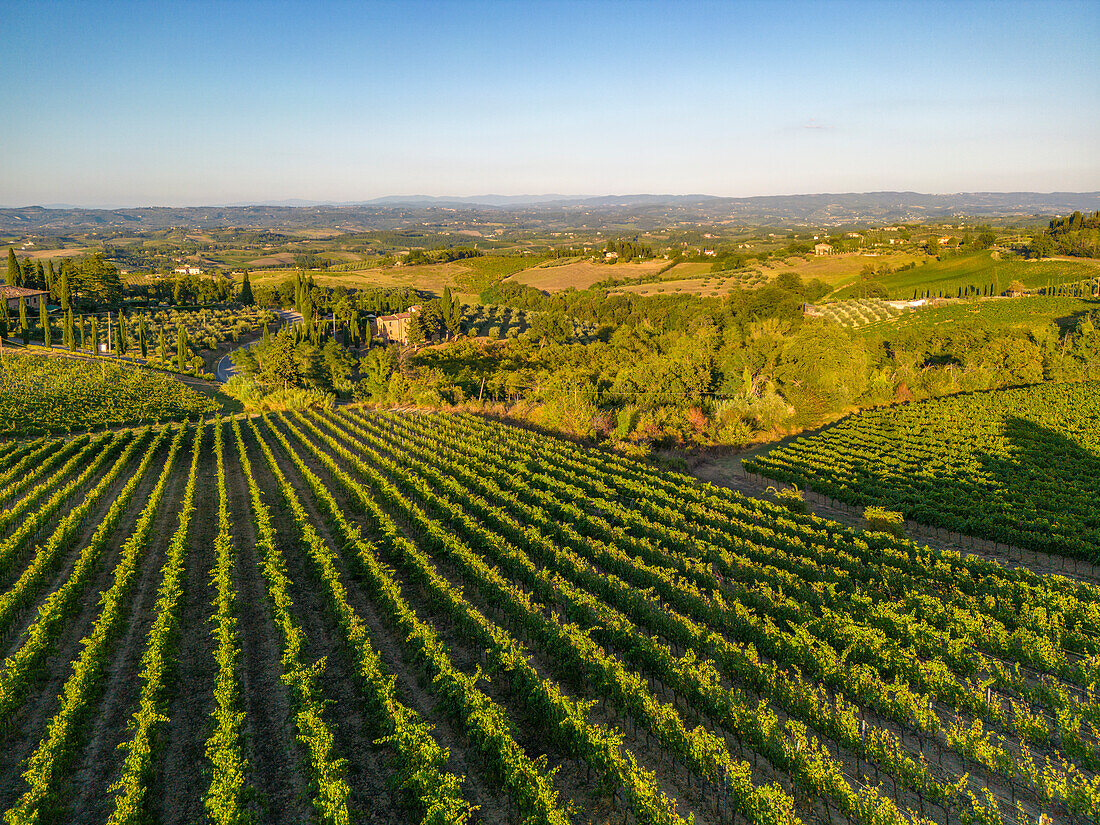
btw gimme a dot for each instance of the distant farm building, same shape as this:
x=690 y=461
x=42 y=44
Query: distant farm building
x=32 y=297
x=189 y=270
x=393 y=329
x=823 y=249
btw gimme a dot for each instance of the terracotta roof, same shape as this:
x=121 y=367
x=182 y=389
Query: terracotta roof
x=20 y=291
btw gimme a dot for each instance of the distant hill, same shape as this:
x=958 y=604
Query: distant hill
x=640 y=211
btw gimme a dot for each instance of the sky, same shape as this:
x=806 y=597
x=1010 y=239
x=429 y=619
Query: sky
x=195 y=103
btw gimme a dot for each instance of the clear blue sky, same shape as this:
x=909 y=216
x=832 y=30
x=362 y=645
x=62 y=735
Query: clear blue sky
x=199 y=103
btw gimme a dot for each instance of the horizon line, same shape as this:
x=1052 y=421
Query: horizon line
x=521 y=199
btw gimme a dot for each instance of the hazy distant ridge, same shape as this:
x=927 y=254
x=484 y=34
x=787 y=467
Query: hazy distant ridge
x=641 y=210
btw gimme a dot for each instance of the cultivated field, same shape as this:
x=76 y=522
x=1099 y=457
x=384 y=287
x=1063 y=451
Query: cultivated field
x=581 y=274
x=715 y=285
x=363 y=617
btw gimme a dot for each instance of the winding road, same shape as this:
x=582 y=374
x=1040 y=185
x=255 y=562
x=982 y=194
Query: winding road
x=226 y=369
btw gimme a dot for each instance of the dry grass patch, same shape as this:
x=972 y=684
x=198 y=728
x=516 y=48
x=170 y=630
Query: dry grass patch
x=44 y=254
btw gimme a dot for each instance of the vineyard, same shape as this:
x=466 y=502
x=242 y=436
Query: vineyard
x=40 y=394
x=1030 y=313
x=389 y=617
x=1019 y=466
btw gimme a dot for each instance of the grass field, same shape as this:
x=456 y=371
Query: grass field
x=352 y=617
x=977 y=269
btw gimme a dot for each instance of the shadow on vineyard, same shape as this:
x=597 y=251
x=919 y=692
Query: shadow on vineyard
x=1045 y=489
x=1068 y=323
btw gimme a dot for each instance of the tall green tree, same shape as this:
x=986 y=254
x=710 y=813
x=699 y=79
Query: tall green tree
x=353 y=327
x=123 y=335
x=143 y=336
x=182 y=350
x=99 y=280
x=44 y=321
x=15 y=274
x=246 y=291
x=451 y=310
x=416 y=334
x=68 y=338
x=24 y=325
x=279 y=363
x=5 y=318
x=64 y=293
x=162 y=348
x=307 y=307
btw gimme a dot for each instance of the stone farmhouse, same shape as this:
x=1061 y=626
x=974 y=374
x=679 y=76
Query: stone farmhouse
x=823 y=249
x=32 y=297
x=393 y=329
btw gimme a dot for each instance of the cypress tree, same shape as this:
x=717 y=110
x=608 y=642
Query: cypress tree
x=51 y=279
x=162 y=348
x=15 y=275
x=95 y=335
x=80 y=332
x=44 y=321
x=24 y=326
x=267 y=335
x=123 y=335
x=5 y=318
x=143 y=337
x=246 y=291
x=64 y=295
x=307 y=307
x=181 y=347
x=68 y=333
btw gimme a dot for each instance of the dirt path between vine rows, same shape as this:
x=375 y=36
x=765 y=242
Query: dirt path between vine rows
x=728 y=472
